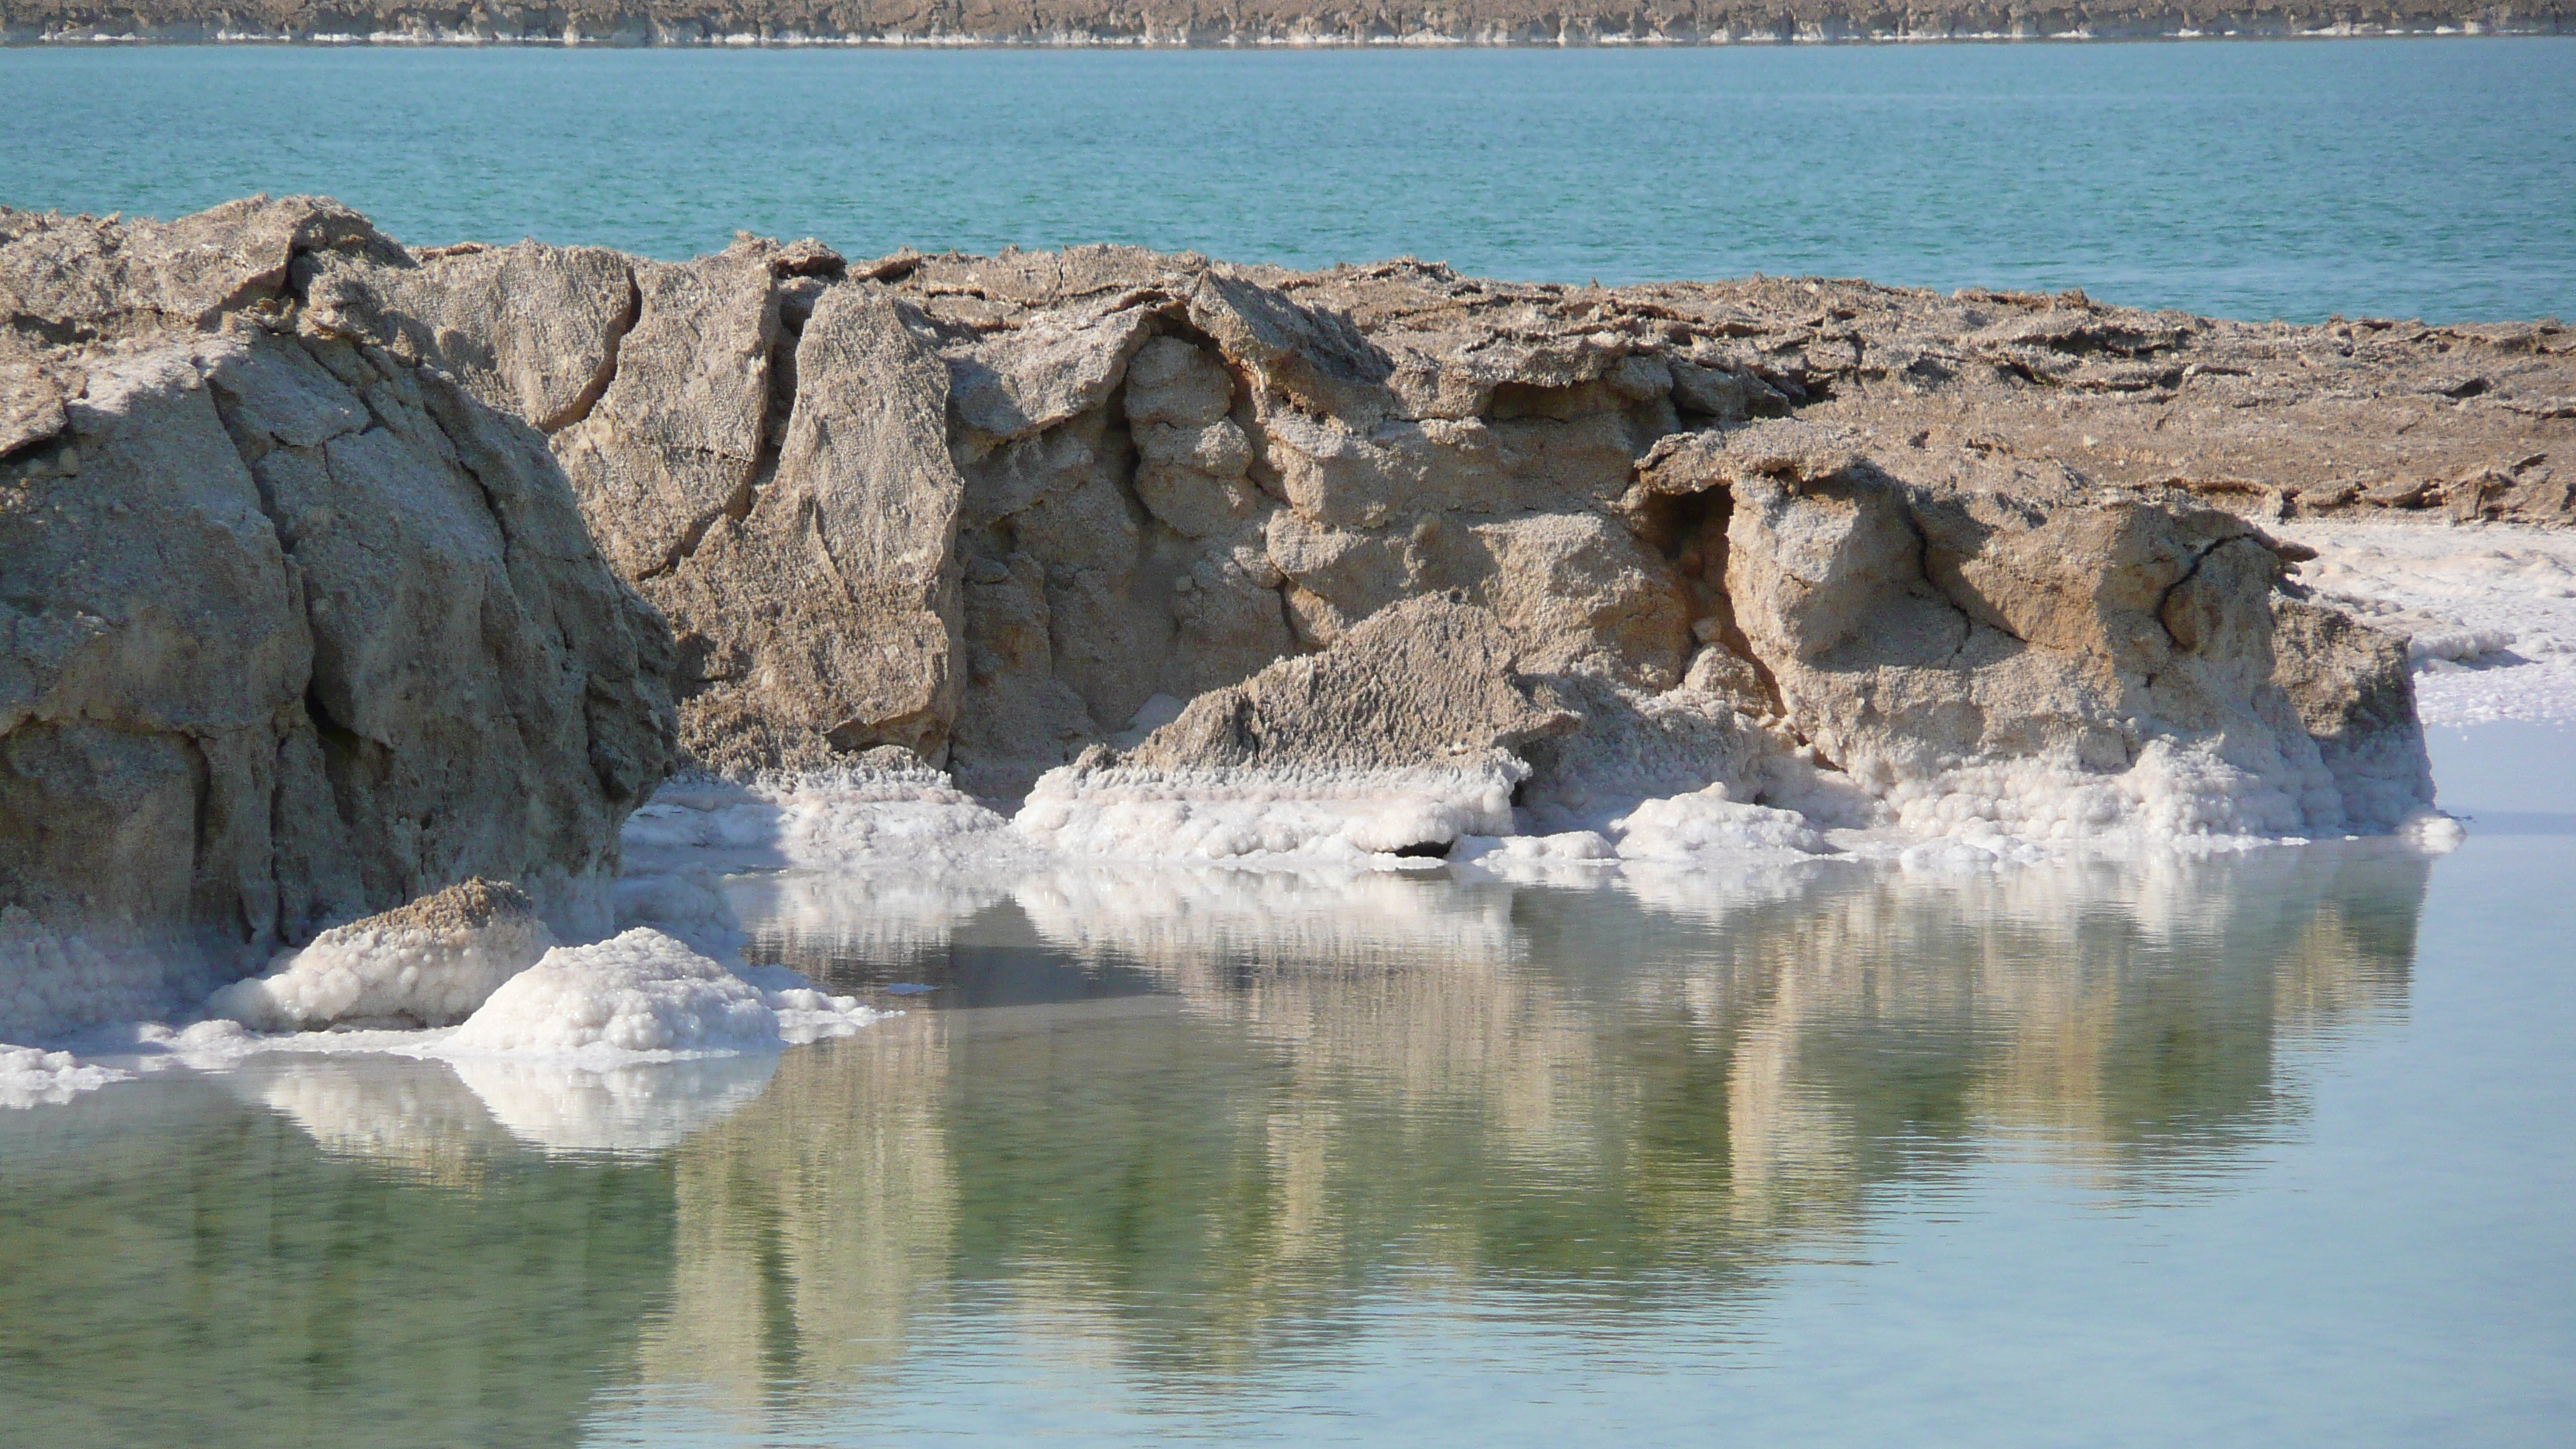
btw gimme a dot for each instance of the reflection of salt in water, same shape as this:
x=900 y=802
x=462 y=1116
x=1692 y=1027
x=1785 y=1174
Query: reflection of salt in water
x=641 y=1107
x=434 y=1118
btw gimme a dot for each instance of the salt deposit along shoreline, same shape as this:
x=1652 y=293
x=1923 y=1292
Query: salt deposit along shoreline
x=338 y=575
x=1274 y=23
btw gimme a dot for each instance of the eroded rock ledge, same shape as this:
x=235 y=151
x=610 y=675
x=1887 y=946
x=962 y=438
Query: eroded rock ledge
x=293 y=557
x=1003 y=512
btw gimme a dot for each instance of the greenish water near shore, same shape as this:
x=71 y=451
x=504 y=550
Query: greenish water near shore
x=2294 y=179
x=2255 y=1150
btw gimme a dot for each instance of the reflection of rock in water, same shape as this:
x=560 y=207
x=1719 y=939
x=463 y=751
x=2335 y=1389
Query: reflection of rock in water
x=811 y=1223
x=1652 y=1092
x=183 y=1268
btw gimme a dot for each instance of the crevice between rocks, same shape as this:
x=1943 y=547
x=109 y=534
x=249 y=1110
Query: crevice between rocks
x=579 y=409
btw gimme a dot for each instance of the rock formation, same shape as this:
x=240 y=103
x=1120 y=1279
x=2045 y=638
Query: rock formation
x=1265 y=22
x=1946 y=561
x=331 y=570
x=291 y=629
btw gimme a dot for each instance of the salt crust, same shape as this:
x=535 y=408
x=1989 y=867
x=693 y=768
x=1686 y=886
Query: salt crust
x=29 y=1077
x=53 y=982
x=1274 y=815
x=2488 y=610
x=812 y=821
x=404 y=976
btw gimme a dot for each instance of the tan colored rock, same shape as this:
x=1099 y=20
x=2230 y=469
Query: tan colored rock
x=826 y=616
x=675 y=439
x=297 y=631
x=1762 y=526
x=531 y=330
x=82 y=279
x=1426 y=679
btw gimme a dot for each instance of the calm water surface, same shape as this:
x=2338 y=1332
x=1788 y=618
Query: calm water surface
x=2410 y=178
x=2246 y=1152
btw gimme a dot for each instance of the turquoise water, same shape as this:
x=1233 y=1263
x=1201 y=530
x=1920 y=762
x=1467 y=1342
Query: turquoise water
x=2409 y=178
x=2256 y=1151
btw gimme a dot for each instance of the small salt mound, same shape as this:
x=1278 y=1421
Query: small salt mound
x=2457 y=646
x=645 y=994
x=1684 y=827
x=641 y=991
x=2172 y=794
x=1134 y=813
x=29 y=1077
x=430 y=963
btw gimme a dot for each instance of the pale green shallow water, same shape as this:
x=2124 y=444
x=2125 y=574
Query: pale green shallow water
x=2409 y=178
x=2244 y=1152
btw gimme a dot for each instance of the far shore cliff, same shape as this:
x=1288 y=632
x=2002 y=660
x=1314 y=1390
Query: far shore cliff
x=1294 y=23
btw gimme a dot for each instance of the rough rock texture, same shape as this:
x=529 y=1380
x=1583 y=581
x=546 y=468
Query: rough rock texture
x=998 y=511
x=1423 y=679
x=1298 y=22
x=291 y=630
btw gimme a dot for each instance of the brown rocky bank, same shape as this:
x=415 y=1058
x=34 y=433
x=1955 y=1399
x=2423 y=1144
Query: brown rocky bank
x=1262 y=22
x=322 y=559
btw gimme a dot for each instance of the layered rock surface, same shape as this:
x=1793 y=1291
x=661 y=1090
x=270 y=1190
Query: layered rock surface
x=1949 y=562
x=1264 y=22
x=291 y=629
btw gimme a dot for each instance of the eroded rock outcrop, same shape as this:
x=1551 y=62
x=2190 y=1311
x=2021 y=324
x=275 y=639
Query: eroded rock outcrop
x=1147 y=519
x=291 y=629
x=1237 y=522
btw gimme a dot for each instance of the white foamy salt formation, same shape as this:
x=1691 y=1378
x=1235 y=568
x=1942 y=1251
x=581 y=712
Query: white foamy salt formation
x=636 y=1108
x=646 y=994
x=1253 y=815
x=430 y=963
x=839 y=820
x=31 y=1078
x=57 y=982
x=1568 y=858
x=1686 y=827
x=2187 y=792
x=2488 y=610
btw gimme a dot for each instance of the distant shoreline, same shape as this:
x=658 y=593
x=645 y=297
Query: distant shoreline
x=1102 y=24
